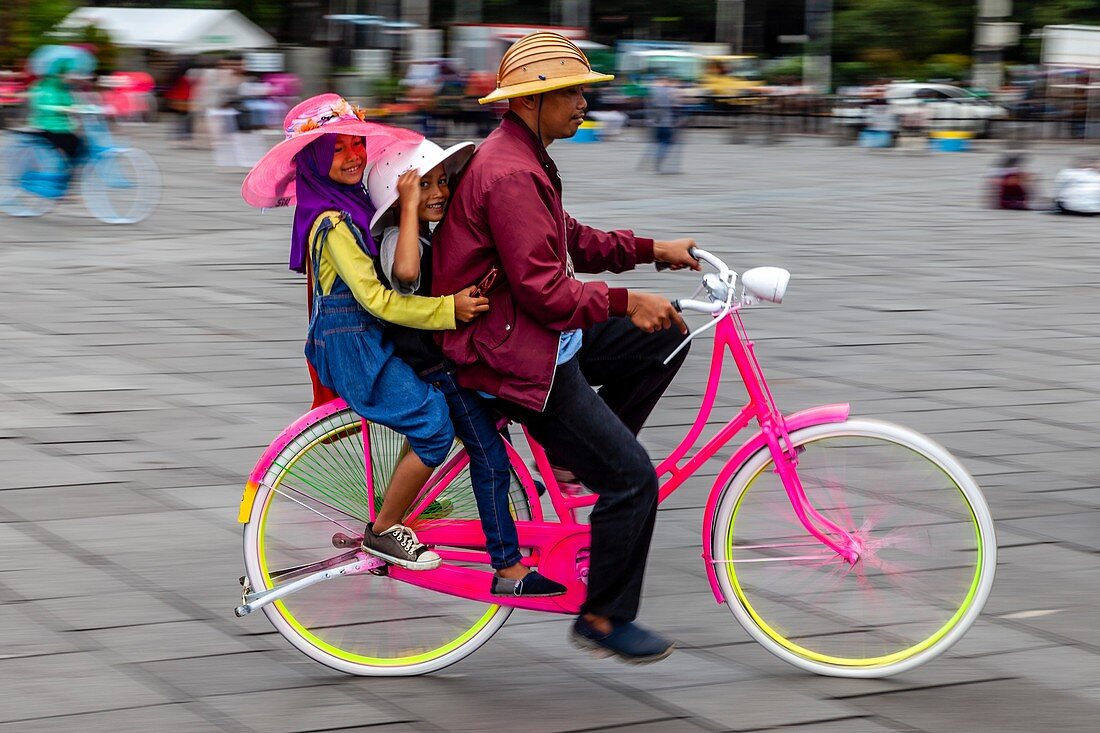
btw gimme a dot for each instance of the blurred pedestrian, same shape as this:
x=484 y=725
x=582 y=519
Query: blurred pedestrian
x=223 y=113
x=178 y=96
x=662 y=111
x=1010 y=184
x=882 y=126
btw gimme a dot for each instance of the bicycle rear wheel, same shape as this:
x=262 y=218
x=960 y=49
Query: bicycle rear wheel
x=35 y=177
x=315 y=490
x=924 y=573
x=121 y=186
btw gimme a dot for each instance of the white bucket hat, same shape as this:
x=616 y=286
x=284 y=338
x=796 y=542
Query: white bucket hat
x=383 y=174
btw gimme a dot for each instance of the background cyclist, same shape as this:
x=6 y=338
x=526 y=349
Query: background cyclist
x=50 y=102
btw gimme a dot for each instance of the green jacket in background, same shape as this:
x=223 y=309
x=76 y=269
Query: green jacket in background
x=45 y=97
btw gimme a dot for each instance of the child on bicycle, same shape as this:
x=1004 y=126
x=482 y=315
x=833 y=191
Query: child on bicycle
x=410 y=187
x=49 y=102
x=320 y=167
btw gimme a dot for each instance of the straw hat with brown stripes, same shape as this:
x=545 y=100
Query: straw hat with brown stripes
x=542 y=62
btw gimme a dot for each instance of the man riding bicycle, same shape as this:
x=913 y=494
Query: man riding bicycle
x=548 y=337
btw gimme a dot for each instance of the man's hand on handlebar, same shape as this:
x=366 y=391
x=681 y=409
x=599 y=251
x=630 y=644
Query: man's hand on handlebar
x=653 y=313
x=675 y=253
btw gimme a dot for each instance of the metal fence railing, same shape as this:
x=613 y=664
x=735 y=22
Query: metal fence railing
x=771 y=119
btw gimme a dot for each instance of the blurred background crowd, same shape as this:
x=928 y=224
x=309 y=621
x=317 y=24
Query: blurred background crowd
x=939 y=74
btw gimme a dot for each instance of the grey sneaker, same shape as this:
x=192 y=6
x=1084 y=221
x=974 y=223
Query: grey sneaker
x=399 y=545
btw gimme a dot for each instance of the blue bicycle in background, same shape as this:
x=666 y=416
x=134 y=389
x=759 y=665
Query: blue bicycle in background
x=119 y=185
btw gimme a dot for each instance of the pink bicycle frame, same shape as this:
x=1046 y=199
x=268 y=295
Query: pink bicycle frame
x=558 y=547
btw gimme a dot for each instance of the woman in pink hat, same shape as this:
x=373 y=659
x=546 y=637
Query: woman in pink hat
x=319 y=167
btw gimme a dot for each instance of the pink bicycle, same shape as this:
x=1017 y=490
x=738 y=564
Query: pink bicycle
x=847 y=547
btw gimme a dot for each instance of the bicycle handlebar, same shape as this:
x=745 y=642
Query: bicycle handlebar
x=712 y=260
x=682 y=304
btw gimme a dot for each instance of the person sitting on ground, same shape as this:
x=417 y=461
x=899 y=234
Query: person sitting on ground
x=1077 y=189
x=321 y=165
x=1010 y=183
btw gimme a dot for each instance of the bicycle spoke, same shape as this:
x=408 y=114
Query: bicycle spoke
x=314 y=504
x=920 y=554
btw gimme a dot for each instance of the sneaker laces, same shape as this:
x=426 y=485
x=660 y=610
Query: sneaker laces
x=406 y=538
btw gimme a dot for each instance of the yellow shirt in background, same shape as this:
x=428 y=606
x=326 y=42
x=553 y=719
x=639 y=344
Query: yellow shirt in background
x=341 y=255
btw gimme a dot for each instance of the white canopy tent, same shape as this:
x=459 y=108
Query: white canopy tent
x=173 y=30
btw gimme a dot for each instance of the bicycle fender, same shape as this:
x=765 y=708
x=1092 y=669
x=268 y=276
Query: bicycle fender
x=820 y=415
x=293 y=430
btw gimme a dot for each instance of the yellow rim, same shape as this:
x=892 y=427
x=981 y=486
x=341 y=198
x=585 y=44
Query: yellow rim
x=844 y=661
x=319 y=643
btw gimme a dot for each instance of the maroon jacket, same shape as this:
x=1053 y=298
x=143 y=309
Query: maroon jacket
x=507 y=213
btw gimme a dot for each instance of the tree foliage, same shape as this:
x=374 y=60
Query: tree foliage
x=24 y=24
x=1038 y=13
x=904 y=30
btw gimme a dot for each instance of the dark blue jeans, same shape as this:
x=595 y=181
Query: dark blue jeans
x=594 y=436
x=490 y=472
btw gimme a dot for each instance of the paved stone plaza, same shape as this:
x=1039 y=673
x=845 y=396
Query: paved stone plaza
x=144 y=369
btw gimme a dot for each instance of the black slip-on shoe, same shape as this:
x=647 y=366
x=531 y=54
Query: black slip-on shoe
x=627 y=642
x=532 y=585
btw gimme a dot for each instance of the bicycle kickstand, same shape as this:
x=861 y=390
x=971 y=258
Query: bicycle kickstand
x=361 y=563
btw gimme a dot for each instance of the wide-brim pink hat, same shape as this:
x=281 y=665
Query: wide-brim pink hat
x=270 y=183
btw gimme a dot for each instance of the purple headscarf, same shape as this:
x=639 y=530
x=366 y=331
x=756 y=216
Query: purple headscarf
x=316 y=193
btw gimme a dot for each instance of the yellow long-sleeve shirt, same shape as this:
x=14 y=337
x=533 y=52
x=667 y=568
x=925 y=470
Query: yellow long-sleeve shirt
x=342 y=256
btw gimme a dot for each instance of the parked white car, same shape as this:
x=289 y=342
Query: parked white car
x=937 y=106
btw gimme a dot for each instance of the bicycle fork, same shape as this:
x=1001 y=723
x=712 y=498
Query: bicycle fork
x=841 y=541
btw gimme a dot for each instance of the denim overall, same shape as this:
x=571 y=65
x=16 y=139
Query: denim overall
x=346 y=346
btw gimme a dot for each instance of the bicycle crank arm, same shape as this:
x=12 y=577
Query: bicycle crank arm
x=287 y=574
x=255 y=601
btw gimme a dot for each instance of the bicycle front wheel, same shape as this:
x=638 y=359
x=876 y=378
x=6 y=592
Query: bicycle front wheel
x=925 y=570
x=317 y=492
x=121 y=186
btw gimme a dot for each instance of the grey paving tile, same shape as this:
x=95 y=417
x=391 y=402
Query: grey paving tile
x=170 y=718
x=170 y=640
x=1008 y=705
x=231 y=673
x=67 y=684
x=1063 y=668
x=47 y=503
x=329 y=707
x=845 y=725
x=25 y=637
x=753 y=704
x=111 y=610
x=553 y=702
